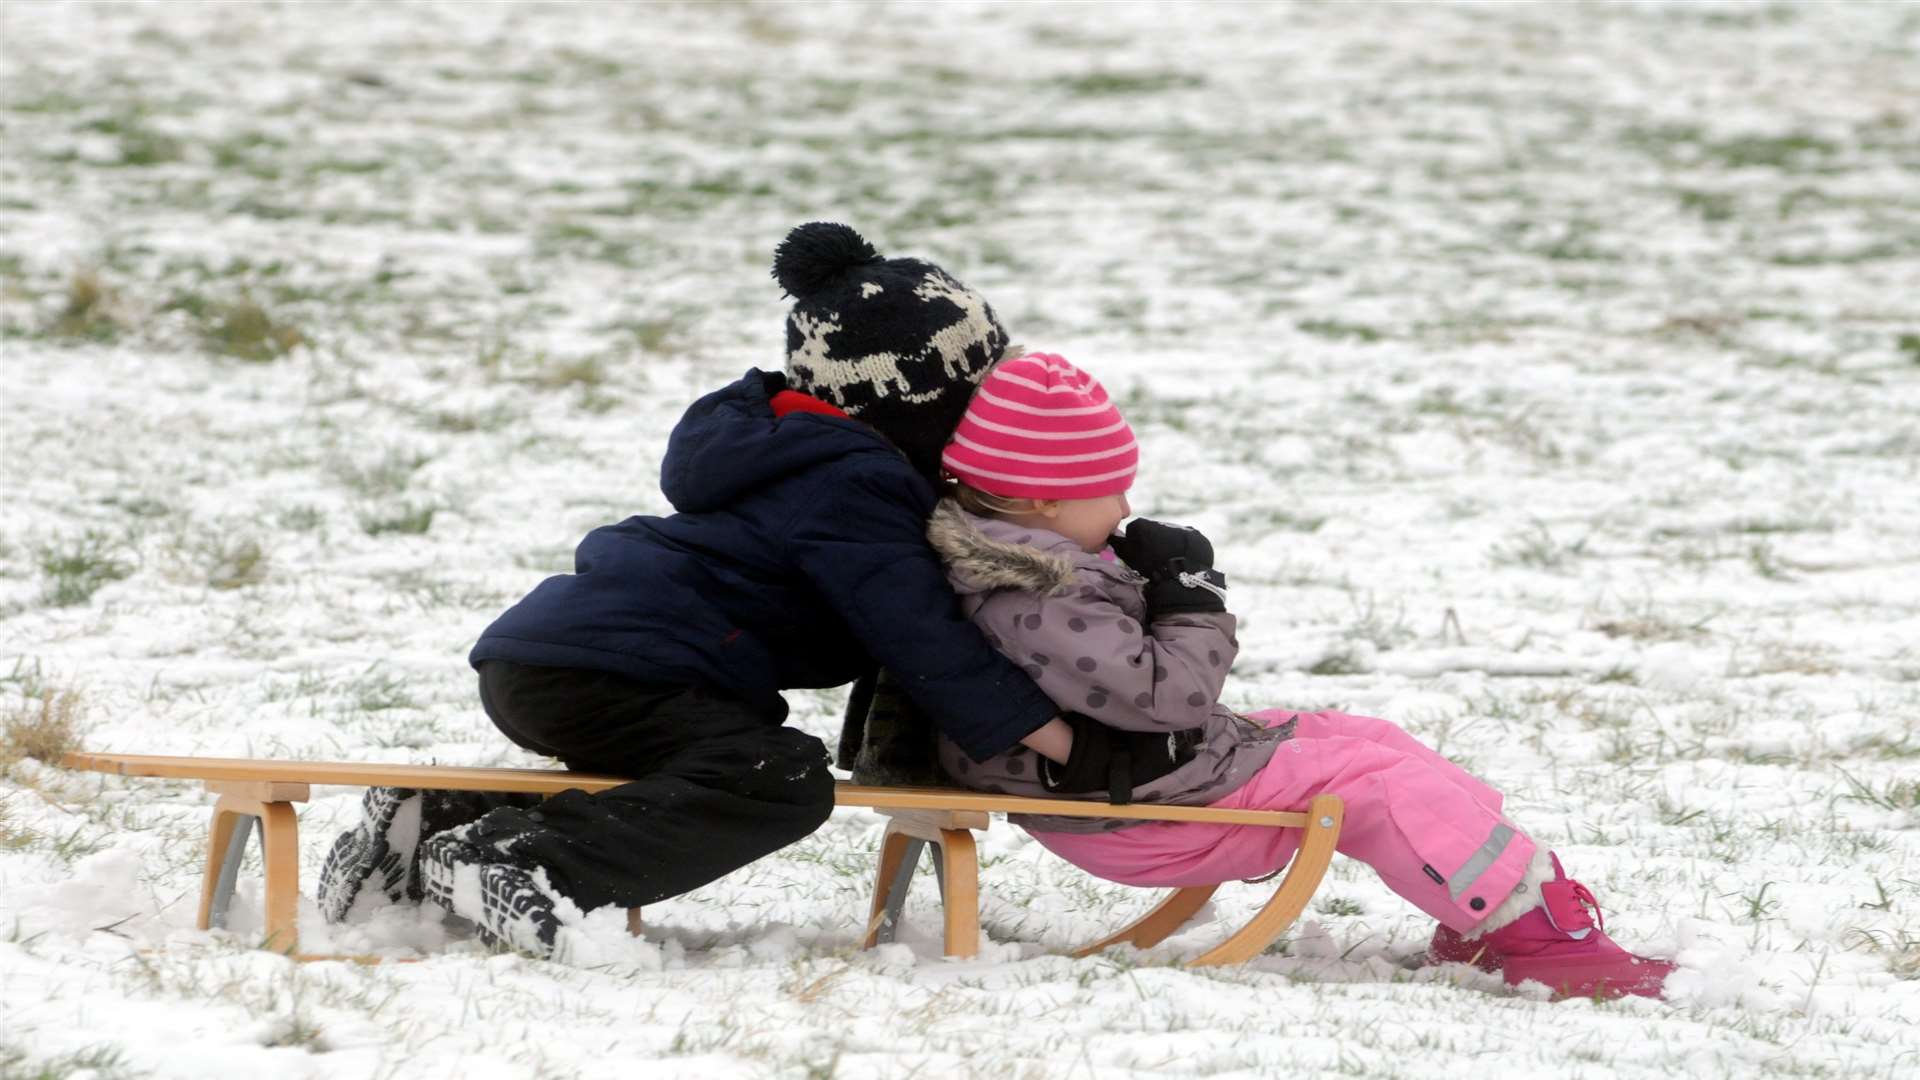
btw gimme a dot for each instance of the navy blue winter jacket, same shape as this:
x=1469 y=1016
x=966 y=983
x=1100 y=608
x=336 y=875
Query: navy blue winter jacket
x=798 y=558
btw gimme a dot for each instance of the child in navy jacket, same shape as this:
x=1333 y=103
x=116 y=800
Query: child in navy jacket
x=796 y=557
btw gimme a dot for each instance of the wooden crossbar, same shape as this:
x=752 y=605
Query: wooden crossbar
x=254 y=790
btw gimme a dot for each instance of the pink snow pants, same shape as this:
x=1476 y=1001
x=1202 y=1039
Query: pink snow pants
x=1432 y=832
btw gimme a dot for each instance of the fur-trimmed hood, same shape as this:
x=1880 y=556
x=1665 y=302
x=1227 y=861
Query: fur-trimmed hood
x=984 y=554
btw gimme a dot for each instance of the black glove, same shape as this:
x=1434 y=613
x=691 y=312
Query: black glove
x=1114 y=761
x=1178 y=564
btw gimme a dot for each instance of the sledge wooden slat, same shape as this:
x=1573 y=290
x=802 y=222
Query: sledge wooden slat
x=345 y=773
x=889 y=798
x=554 y=781
x=267 y=791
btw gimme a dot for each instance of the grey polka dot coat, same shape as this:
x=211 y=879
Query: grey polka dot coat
x=1077 y=623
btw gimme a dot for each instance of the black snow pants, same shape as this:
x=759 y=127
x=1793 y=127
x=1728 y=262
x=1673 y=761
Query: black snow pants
x=717 y=783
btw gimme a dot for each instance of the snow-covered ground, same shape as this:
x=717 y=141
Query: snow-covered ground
x=1548 y=376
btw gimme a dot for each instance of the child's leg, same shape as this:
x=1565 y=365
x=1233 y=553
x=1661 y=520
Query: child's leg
x=1432 y=839
x=1387 y=733
x=717 y=785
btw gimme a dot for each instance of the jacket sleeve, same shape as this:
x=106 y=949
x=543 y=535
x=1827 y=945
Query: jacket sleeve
x=1089 y=657
x=860 y=540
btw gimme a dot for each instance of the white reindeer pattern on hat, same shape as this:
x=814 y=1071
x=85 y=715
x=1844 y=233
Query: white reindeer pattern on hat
x=829 y=376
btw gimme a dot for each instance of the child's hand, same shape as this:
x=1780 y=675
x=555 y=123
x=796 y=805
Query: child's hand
x=1177 y=562
x=1104 y=759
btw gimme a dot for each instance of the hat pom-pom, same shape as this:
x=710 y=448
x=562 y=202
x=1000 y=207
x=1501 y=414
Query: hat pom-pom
x=815 y=253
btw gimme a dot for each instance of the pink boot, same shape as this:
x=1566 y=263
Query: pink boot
x=1560 y=942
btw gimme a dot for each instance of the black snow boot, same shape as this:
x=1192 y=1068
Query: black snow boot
x=469 y=872
x=379 y=849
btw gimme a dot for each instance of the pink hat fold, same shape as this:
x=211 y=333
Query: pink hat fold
x=1040 y=428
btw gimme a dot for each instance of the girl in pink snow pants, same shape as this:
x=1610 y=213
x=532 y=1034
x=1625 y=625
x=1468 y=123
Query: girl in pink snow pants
x=1130 y=636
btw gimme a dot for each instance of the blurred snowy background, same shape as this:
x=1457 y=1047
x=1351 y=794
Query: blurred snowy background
x=1548 y=376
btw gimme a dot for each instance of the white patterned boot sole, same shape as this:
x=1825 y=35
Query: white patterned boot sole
x=506 y=904
x=378 y=849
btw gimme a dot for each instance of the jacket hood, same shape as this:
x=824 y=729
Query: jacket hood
x=1012 y=557
x=730 y=443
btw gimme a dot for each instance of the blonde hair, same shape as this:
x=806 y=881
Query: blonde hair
x=986 y=503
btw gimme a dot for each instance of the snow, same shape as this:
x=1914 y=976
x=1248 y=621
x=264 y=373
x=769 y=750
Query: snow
x=1546 y=376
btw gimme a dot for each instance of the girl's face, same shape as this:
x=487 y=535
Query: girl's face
x=1086 y=522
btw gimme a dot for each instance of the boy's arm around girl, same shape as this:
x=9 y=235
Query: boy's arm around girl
x=876 y=570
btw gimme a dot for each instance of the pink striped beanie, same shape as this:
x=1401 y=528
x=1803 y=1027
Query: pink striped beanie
x=1040 y=428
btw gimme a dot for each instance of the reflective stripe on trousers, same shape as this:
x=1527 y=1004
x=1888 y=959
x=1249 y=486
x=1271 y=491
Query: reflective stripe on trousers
x=1476 y=865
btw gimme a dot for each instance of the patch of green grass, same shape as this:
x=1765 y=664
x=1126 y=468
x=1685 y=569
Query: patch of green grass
x=584 y=371
x=1109 y=83
x=1790 y=202
x=376 y=690
x=295 y=1029
x=654 y=335
x=462 y=422
x=1663 y=141
x=232 y=562
x=410 y=519
x=932 y=213
x=141 y=146
x=345 y=166
x=1785 y=657
x=1537 y=547
x=12 y=838
x=1909 y=345
x=593 y=399
x=1684 y=143
x=140 y=506
x=1618 y=674
x=389 y=474
x=1769 y=151
x=76 y=567
x=585 y=241
x=251 y=152
x=265 y=209
x=92 y=311
x=1440 y=400
x=244 y=330
x=1901 y=950
x=503 y=361
x=1768 y=526
x=51 y=101
x=1889 y=795
x=436 y=593
x=93 y=1063
x=1338 y=330
x=1572 y=244
x=1712 y=206
x=1647 y=623
x=1267 y=519
x=1342 y=660
x=1766 y=563
x=1865 y=253
x=300 y=518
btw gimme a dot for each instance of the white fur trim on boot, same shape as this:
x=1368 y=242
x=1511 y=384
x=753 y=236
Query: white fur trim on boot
x=1524 y=897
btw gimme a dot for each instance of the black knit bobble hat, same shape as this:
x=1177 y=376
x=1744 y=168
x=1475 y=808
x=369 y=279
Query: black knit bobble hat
x=898 y=343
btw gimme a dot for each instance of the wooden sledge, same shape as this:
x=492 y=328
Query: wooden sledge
x=264 y=793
